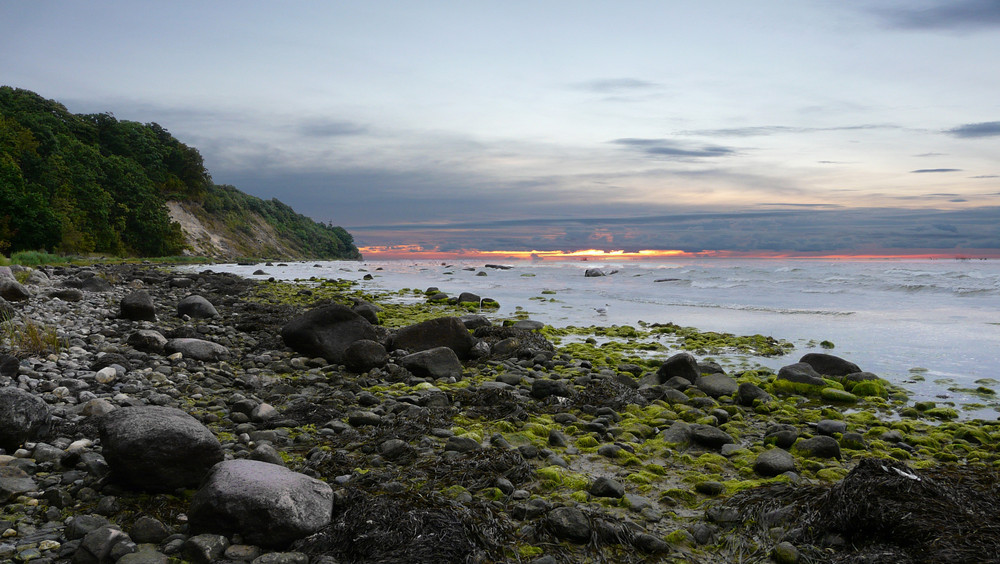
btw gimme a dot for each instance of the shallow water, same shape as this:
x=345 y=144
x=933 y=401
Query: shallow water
x=940 y=317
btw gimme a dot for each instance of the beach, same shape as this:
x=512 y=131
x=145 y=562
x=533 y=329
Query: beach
x=433 y=428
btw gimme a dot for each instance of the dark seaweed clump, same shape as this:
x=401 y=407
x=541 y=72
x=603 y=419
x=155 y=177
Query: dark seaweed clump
x=882 y=511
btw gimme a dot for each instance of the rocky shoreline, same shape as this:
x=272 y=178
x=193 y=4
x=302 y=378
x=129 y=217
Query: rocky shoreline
x=149 y=415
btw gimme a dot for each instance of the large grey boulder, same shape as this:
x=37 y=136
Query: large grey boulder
x=196 y=307
x=197 y=349
x=681 y=365
x=709 y=437
x=147 y=340
x=12 y=290
x=441 y=332
x=9 y=365
x=268 y=505
x=801 y=373
x=363 y=355
x=23 y=417
x=748 y=393
x=716 y=385
x=829 y=364
x=157 y=448
x=439 y=362
x=569 y=523
x=773 y=462
x=137 y=306
x=14 y=482
x=327 y=332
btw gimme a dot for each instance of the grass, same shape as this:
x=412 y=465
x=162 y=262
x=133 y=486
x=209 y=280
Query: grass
x=24 y=337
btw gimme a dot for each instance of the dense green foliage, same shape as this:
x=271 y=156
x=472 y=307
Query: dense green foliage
x=78 y=184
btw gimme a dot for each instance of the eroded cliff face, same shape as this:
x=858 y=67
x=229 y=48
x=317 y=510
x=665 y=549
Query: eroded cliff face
x=210 y=236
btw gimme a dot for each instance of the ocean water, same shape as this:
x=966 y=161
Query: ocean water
x=932 y=326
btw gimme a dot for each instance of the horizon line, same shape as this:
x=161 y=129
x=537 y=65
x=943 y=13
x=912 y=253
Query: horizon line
x=393 y=252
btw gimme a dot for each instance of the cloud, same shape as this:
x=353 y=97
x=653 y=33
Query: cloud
x=763 y=130
x=331 y=128
x=983 y=129
x=931 y=155
x=665 y=148
x=924 y=170
x=986 y=176
x=614 y=85
x=960 y=15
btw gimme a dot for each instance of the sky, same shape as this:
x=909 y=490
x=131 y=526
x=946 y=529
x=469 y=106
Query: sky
x=807 y=126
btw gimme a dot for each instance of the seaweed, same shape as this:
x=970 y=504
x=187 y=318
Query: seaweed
x=882 y=511
x=407 y=526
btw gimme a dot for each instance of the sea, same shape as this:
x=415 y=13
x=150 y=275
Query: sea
x=930 y=326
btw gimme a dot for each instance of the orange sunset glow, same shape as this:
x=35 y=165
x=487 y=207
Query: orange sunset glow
x=416 y=252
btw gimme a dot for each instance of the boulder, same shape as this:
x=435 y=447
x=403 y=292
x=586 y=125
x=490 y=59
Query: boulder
x=594 y=273
x=773 y=462
x=682 y=365
x=439 y=362
x=475 y=321
x=469 y=297
x=23 y=417
x=196 y=307
x=709 y=437
x=66 y=294
x=441 y=332
x=157 y=448
x=820 y=446
x=7 y=311
x=829 y=365
x=147 y=340
x=14 y=482
x=569 y=523
x=831 y=426
x=9 y=365
x=95 y=284
x=606 y=487
x=801 y=373
x=12 y=290
x=542 y=388
x=748 y=393
x=138 y=306
x=327 y=332
x=363 y=355
x=716 y=385
x=268 y=505
x=198 y=349
x=368 y=311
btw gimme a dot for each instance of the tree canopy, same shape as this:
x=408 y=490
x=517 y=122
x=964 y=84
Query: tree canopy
x=85 y=183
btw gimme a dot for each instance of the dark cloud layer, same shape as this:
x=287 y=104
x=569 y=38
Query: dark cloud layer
x=926 y=170
x=666 y=148
x=763 y=130
x=614 y=85
x=331 y=128
x=984 y=129
x=960 y=15
x=795 y=230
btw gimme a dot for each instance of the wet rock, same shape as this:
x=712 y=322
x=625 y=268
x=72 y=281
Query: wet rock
x=774 y=462
x=95 y=284
x=679 y=432
x=716 y=385
x=819 y=447
x=441 y=332
x=473 y=322
x=198 y=349
x=287 y=558
x=469 y=297
x=23 y=417
x=66 y=294
x=462 y=444
x=137 y=306
x=368 y=311
x=146 y=529
x=98 y=546
x=594 y=273
x=439 y=362
x=801 y=373
x=8 y=365
x=748 y=393
x=606 y=487
x=829 y=365
x=327 y=332
x=542 y=388
x=831 y=426
x=708 y=436
x=682 y=365
x=267 y=505
x=196 y=307
x=157 y=448
x=569 y=523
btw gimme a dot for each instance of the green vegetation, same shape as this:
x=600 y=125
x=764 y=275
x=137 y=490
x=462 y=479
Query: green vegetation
x=76 y=184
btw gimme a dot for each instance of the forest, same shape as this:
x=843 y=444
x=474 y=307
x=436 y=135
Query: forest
x=82 y=184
